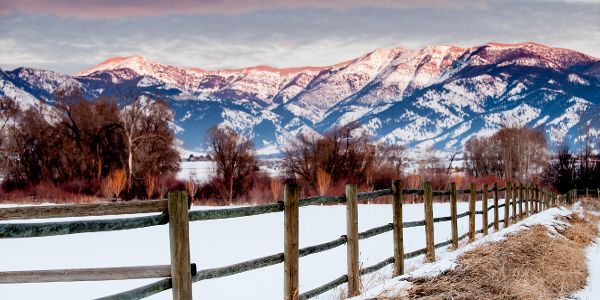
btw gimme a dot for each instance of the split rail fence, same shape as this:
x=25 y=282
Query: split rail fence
x=519 y=201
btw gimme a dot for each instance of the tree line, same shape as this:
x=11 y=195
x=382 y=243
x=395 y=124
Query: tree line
x=522 y=154
x=515 y=153
x=92 y=146
x=97 y=147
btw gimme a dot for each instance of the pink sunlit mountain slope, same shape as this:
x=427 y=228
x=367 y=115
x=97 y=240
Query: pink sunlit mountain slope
x=438 y=96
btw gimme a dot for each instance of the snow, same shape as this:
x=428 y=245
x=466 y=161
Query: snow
x=218 y=243
x=199 y=171
x=385 y=83
x=592 y=289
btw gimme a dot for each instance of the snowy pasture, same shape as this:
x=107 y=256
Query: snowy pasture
x=199 y=171
x=218 y=243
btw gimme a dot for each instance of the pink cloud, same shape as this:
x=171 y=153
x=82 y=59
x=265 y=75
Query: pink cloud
x=127 y=8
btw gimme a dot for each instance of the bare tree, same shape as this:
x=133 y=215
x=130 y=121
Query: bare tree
x=516 y=153
x=323 y=181
x=276 y=186
x=149 y=139
x=191 y=188
x=345 y=153
x=235 y=161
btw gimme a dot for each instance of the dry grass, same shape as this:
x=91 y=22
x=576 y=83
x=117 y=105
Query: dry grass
x=590 y=204
x=531 y=264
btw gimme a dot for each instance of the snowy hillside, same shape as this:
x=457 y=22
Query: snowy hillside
x=437 y=96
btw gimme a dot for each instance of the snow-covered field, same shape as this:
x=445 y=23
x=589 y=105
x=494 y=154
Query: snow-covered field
x=218 y=243
x=199 y=171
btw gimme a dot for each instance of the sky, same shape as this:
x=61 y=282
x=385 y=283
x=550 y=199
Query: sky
x=69 y=36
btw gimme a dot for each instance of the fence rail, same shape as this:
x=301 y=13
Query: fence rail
x=174 y=211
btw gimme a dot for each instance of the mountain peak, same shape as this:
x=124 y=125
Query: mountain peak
x=134 y=62
x=512 y=45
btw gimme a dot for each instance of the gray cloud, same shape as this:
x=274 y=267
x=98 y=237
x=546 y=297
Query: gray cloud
x=289 y=37
x=127 y=8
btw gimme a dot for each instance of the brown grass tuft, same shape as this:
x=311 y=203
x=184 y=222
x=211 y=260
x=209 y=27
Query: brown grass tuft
x=531 y=264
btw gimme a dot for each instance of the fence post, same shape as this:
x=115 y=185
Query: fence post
x=515 y=194
x=521 y=194
x=507 y=201
x=291 y=234
x=541 y=199
x=527 y=198
x=534 y=208
x=179 y=236
x=538 y=199
x=472 y=195
x=453 y=214
x=533 y=201
x=587 y=192
x=544 y=196
x=429 y=237
x=352 y=236
x=496 y=216
x=484 y=208
x=398 y=228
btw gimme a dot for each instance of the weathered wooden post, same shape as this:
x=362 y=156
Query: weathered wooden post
x=397 y=198
x=538 y=199
x=453 y=215
x=527 y=199
x=545 y=199
x=429 y=237
x=521 y=201
x=496 y=216
x=352 y=243
x=484 y=208
x=472 y=197
x=515 y=193
x=507 y=195
x=179 y=236
x=534 y=200
x=291 y=255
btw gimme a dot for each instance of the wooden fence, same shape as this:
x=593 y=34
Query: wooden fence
x=181 y=274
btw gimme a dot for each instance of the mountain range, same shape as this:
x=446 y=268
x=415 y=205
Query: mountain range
x=438 y=96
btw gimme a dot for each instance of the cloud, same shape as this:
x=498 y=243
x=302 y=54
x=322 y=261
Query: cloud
x=129 y=8
x=288 y=38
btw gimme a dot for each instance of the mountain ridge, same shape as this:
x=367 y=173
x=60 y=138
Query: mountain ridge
x=437 y=96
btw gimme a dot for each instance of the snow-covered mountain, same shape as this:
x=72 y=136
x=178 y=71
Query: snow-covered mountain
x=437 y=96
